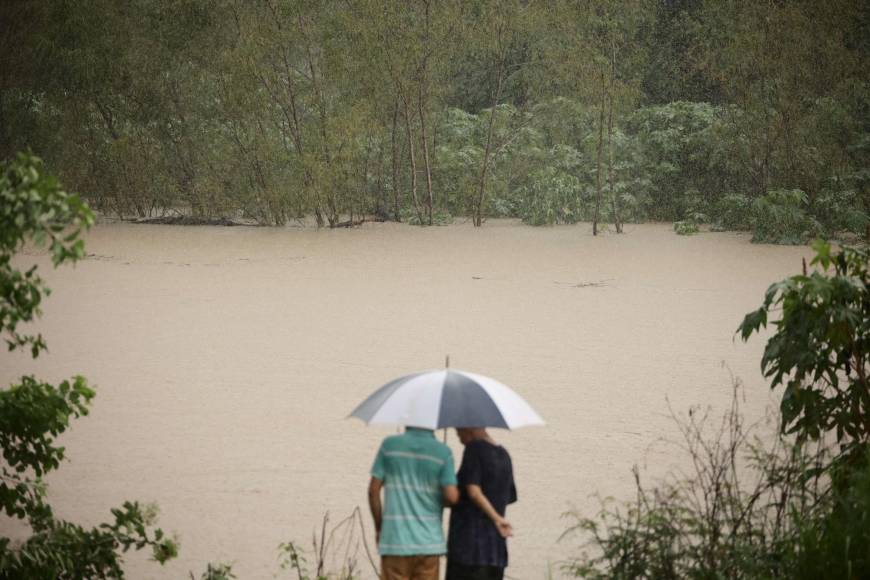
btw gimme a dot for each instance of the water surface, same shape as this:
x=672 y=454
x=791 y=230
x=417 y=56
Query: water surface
x=226 y=360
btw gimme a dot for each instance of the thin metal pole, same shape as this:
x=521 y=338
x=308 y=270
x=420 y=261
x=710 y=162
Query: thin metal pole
x=446 y=366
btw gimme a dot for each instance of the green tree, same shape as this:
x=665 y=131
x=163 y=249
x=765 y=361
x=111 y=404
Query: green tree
x=275 y=109
x=820 y=350
x=499 y=32
x=593 y=53
x=674 y=72
x=779 y=65
x=35 y=209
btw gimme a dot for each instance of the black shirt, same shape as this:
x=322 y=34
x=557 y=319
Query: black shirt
x=473 y=539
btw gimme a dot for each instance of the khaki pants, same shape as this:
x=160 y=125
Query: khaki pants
x=409 y=567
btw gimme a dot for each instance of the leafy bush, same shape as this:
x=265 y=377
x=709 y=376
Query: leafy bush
x=733 y=212
x=458 y=157
x=686 y=227
x=676 y=149
x=780 y=217
x=837 y=544
x=552 y=197
x=694 y=216
x=820 y=350
x=217 y=572
x=841 y=211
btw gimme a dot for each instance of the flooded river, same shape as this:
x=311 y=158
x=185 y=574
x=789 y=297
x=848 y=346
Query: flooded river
x=226 y=361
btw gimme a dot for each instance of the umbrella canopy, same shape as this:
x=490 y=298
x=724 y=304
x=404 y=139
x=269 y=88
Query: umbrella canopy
x=446 y=398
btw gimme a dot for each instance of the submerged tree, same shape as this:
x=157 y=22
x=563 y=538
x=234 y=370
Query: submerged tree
x=272 y=110
x=501 y=30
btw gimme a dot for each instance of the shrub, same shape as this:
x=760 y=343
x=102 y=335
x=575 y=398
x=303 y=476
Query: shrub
x=686 y=227
x=552 y=197
x=739 y=512
x=841 y=211
x=694 y=217
x=733 y=212
x=780 y=217
x=219 y=571
x=820 y=350
x=679 y=153
x=837 y=544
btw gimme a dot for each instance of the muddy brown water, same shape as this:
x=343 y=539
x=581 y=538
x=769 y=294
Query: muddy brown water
x=226 y=361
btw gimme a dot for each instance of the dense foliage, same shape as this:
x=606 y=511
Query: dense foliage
x=820 y=352
x=798 y=507
x=33 y=414
x=551 y=112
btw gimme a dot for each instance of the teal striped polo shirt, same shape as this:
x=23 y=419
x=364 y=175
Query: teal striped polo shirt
x=414 y=467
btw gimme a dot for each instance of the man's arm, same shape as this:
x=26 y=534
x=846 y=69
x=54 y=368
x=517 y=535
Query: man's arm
x=475 y=493
x=450 y=495
x=375 y=486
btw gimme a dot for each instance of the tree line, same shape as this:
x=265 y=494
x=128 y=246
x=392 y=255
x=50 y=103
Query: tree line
x=745 y=115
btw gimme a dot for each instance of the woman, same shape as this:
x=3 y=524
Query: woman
x=476 y=541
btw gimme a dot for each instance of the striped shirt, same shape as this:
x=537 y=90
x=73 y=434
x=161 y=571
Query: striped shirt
x=414 y=467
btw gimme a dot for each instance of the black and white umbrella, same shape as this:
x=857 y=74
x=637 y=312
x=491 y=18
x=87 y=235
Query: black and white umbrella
x=446 y=398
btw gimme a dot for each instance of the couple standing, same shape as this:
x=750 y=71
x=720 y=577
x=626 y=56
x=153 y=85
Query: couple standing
x=417 y=475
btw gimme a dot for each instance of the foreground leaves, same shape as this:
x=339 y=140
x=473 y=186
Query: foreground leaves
x=819 y=350
x=33 y=414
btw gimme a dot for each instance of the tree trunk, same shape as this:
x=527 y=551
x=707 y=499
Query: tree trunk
x=383 y=200
x=600 y=148
x=413 y=160
x=320 y=105
x=422 y=97
x=290 y=110
x=481 y=189
x=4 y=151
x=395 y=160
x=422 y=111
x=613 y=201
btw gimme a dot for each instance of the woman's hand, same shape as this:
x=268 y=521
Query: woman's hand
x=504 y=527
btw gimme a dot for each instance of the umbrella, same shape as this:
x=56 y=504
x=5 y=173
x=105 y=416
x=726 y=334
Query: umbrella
x=446 y=398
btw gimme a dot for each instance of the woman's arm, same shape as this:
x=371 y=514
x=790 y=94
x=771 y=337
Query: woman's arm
x=475 y=493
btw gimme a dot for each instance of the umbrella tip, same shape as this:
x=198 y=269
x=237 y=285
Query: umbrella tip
x=447 y=361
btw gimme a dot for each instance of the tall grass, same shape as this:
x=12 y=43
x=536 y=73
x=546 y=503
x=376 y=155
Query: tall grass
x=751 y=506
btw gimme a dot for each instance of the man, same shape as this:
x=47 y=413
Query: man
x=477 y=546
x=417 y=475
